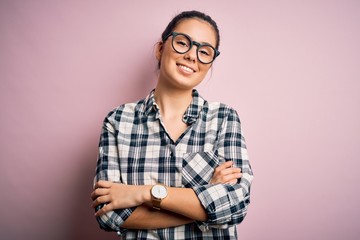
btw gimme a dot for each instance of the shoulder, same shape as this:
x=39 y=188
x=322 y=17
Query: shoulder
x=219 y=110
x=125 y=112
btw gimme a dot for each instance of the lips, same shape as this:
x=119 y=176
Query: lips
x=185 y=68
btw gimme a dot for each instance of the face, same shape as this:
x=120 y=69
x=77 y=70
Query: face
x=185 y=71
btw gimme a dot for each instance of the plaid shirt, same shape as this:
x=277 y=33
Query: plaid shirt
x=135 y=149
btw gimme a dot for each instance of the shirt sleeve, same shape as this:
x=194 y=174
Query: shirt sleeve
x=227 y=204
x=108 y=169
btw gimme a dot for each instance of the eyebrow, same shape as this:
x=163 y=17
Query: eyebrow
x=202 y=43
x=206 y=43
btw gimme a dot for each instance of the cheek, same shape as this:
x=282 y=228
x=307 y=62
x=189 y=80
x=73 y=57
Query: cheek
x=167 y=50
x=205 y=69
x=165 y=55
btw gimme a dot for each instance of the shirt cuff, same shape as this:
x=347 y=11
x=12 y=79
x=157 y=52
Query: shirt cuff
x=112 y=221
x=216 y=201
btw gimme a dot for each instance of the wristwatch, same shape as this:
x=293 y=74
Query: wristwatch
x=158 y=193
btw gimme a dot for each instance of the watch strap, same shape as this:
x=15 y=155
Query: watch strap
x=156 y=203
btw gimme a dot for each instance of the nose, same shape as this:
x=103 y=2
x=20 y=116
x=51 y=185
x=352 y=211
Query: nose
x=191 y=55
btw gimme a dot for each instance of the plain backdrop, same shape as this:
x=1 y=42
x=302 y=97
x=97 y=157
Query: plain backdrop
x=290 y=68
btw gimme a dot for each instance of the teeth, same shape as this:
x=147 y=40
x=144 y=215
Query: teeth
x=186 y=69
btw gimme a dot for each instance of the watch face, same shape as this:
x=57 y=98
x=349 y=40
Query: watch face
x=159 y=191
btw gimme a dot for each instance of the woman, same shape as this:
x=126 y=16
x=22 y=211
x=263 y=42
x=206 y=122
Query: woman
x=174 y=166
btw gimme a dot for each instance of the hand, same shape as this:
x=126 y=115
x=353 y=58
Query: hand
x=117 y=196
x=226 y=173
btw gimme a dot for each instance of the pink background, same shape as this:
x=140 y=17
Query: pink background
x=290 y=68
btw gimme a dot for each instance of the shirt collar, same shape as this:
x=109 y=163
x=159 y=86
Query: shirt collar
x=190 y=115
x=194 y=109
x=150 y=104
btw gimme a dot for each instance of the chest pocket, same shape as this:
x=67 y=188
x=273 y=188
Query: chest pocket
x=198 y=168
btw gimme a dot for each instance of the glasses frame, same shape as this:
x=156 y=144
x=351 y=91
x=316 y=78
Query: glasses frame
x=192 y=43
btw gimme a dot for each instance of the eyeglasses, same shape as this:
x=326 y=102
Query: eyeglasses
x=182 y=43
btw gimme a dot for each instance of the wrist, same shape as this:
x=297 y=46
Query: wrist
x=146 y=195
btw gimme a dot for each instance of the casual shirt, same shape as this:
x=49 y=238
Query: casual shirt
x=136 y=149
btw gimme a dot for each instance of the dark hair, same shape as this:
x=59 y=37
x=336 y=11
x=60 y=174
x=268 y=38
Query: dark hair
x=191 y=14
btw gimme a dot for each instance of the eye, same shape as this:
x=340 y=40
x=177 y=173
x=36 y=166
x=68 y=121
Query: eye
x=182 y=43
x=204 y=52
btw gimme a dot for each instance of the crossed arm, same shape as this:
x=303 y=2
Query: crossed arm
x=129 y=206
x=181 y=206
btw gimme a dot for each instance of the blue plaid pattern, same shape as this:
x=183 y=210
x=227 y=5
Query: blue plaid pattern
x=135 y=149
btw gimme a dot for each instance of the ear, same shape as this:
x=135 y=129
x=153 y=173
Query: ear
x=159 y=50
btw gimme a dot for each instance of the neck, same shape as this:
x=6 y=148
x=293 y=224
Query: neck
x=172 y=102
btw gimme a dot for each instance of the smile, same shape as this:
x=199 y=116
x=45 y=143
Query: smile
x=185 y=68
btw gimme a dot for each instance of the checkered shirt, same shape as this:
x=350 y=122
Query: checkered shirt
x=135 y=149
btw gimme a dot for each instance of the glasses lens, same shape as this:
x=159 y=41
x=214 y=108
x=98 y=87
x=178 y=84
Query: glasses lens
x=206 y=54
x=181 y=43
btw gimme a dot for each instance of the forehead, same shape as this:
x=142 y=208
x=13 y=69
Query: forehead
x=199 y=30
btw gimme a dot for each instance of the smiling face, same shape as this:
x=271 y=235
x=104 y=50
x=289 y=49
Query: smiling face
x=184 y=71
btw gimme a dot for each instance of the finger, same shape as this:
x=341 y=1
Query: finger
x=101 y=200
x=99 y=192
x=223 y=166
x=221 y=174
x=230 y=177
x=228 y=164
x=234 y=166
x=230 y=171
x=103 y=184
x=225 y=172
x=103 y=210
x=235 y=177
x=234 y=181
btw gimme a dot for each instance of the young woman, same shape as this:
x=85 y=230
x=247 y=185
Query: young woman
x=174 y=166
